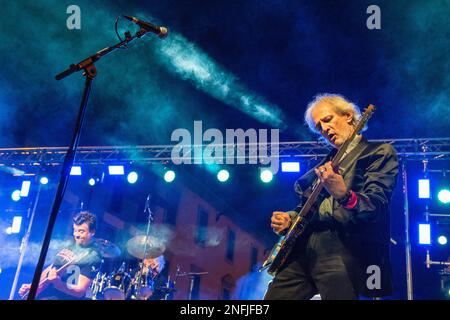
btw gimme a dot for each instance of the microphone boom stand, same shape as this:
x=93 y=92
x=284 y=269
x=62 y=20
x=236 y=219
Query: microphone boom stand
x=147 y=235
x=87 y=65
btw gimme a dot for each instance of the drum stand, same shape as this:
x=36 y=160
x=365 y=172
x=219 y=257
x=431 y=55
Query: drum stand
x=430 y=262
x=97 y=283
x=192 y=276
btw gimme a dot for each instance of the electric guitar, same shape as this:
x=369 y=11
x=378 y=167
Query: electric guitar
x=304 y=214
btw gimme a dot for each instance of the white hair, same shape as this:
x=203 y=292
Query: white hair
x=340 y=104
x=161 y=263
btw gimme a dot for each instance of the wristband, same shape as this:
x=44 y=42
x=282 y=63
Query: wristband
x=351 y=203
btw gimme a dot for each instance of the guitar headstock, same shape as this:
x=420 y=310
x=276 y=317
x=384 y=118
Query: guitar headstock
x=370 y=108
x=365 y=117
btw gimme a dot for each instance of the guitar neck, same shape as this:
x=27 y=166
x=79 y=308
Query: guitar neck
x=306 y=208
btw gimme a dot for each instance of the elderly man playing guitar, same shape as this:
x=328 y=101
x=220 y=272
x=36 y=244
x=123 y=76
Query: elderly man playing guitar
x=343 y=252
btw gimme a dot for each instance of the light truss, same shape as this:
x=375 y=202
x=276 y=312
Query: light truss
x=411 y=149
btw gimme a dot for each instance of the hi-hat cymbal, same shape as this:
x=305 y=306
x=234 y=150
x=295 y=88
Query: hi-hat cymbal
x=107 y=249
x=136 y=247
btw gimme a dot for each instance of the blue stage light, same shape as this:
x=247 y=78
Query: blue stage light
x=25 y=190
x=91 y=182
x=424 y=188
x=290 y=167
x=17 y=222
x=169 y=176
x=223 y=175
x=442 y=240
x=424 y=233
x=444 y=196
x=75 y=171
x=43 y=180
x=15 y=195
x=266 y=176
x=116 y=170
x=132 y=177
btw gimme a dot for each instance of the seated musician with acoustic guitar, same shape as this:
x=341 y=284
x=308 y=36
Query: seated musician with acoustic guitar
x=344 y=251
x=71 y=273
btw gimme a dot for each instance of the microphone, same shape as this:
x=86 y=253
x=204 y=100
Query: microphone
x=147 y=26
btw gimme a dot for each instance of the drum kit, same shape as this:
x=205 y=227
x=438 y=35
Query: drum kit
x=142 y=282
x=132 y=284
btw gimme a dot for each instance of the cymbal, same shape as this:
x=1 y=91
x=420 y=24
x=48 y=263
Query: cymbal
x=107 y=249
x=136 y=247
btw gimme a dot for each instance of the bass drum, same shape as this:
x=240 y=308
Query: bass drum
x=117 y=286
x=142 y=287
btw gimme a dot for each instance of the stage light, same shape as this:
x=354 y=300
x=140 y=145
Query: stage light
x=116 y=170
x=17 y=222
x=424 y=189
x=266 y=176
x=91 y=182
x=15 y=195
x=43 y=180
x=424 y=233
x=290 y=167
x=169 y=176
x=223 y=175
x=9 y=230
x=132 y=177
x=444 y=196
x=25 y=190
x=75 y=171
x=442 y=240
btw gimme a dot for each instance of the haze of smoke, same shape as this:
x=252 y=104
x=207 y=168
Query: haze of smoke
x=214 y=236
x=182 y=57
x=11 y=251
x=36 y=51
x=418 y=58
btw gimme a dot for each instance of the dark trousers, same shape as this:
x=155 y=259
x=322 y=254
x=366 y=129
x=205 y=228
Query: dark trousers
x=319 y=264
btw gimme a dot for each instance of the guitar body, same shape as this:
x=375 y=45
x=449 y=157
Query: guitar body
x=283 y=247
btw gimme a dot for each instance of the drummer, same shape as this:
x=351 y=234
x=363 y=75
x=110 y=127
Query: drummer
x=154 y=279
x=73 y=281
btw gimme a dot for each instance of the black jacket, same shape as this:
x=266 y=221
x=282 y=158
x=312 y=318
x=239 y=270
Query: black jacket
x=370 y=170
